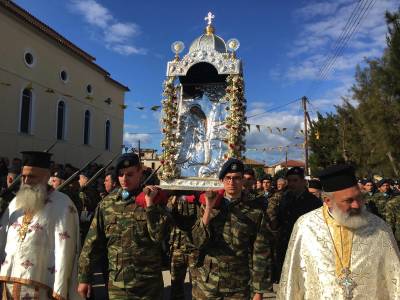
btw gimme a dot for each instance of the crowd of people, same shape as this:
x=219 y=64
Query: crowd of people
x=60 y=227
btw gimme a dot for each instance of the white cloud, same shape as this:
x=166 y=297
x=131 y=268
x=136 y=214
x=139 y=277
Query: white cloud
x=117 y=36
x=127 y=49
x=264 y=140
x=93 y=12
x=323 y=23
x=132 y=139
x=120 y=32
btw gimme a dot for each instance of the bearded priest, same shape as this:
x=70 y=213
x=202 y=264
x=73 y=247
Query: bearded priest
x=341 y=251
x=39 y=238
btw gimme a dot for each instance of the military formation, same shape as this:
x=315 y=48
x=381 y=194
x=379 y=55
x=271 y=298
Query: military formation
x=230 y=242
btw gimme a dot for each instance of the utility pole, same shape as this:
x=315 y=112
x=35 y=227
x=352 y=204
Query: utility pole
x=286 y=157
x=304 y=101
x=140 y=159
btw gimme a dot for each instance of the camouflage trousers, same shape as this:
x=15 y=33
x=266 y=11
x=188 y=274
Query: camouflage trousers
x=207 y=286
x=143 y=292
x=204 y=294
x=179 y=265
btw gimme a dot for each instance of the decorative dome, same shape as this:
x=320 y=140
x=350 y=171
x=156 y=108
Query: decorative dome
x=209 y=42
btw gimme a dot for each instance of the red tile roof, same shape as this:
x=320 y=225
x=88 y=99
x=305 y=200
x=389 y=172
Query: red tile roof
x=29 y=19
x=290 y=163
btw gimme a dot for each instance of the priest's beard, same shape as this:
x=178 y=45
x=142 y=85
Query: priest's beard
x=353 y=219
x=31 y=198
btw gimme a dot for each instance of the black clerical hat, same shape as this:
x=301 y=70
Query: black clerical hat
x=337 y=177
x=37 y=159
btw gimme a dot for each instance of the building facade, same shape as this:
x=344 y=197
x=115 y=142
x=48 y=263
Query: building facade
x=50 y=90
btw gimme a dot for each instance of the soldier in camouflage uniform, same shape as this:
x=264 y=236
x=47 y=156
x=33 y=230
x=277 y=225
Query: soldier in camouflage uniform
x=89 y=198
x=7 y=195
x=128 y=227
x=72 y=191
x=183 y=254
x=377 y=203
x=233 y=237
x=392 y=217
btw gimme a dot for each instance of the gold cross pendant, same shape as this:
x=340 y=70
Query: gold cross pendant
x=22 y=231
x=347 y=284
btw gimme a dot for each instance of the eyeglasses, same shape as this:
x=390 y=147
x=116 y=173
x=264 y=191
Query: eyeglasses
x=232 y=178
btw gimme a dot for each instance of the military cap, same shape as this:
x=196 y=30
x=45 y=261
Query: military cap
x=86 y=173
x=366 y=180
x=232 y=165
x=249 y=171
x=59 y=174
x=127 y=160
x=266 y=177
x=14 y=170
x=295 y=171
x=382 y=181
x=37 y=159
x=337 y=177
x=315 y=184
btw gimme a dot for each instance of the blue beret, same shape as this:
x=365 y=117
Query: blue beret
x=295 y=171
x=127 y=160
x=315 y=184
x=382 y=182
x=59 y=174
x=86 y=173
x=232 y=165
x=266 y=177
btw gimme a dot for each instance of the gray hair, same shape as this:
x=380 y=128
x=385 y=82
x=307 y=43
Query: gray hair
x=327 y=195
x=282 y=180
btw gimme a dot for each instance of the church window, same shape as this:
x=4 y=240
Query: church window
x=64 y=76
x=26 y=112
x=29 y=58
x=60 y=120
x=86 y=129
x=108 y=135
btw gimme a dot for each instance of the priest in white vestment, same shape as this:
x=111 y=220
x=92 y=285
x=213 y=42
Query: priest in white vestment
x=341 y=251
x=39 y=238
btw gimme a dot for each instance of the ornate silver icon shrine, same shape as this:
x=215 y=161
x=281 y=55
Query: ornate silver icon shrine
x=204 y=108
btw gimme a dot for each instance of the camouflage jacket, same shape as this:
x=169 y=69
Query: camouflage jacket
x=236 y=245
x=272 y=209
x=376 y=204
x=184 y=214
x=130 y=236
x=89 y=198
x=392 y=217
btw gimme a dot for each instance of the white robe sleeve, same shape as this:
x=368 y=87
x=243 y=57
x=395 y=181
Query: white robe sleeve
x=392 y=266
x=291 y=284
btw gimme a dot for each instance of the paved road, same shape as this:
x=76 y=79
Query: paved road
x=100 y=292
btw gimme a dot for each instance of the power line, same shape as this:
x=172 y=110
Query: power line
x=357 y=15
x=135 y=133
x=340 y=50
x=273 y=108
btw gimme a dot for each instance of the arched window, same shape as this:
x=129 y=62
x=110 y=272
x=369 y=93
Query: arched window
x=26 y=111
x=108 y=135
x=86 y=129
x=60 y=120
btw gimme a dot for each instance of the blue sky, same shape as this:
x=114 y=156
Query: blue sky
x=283 y=46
